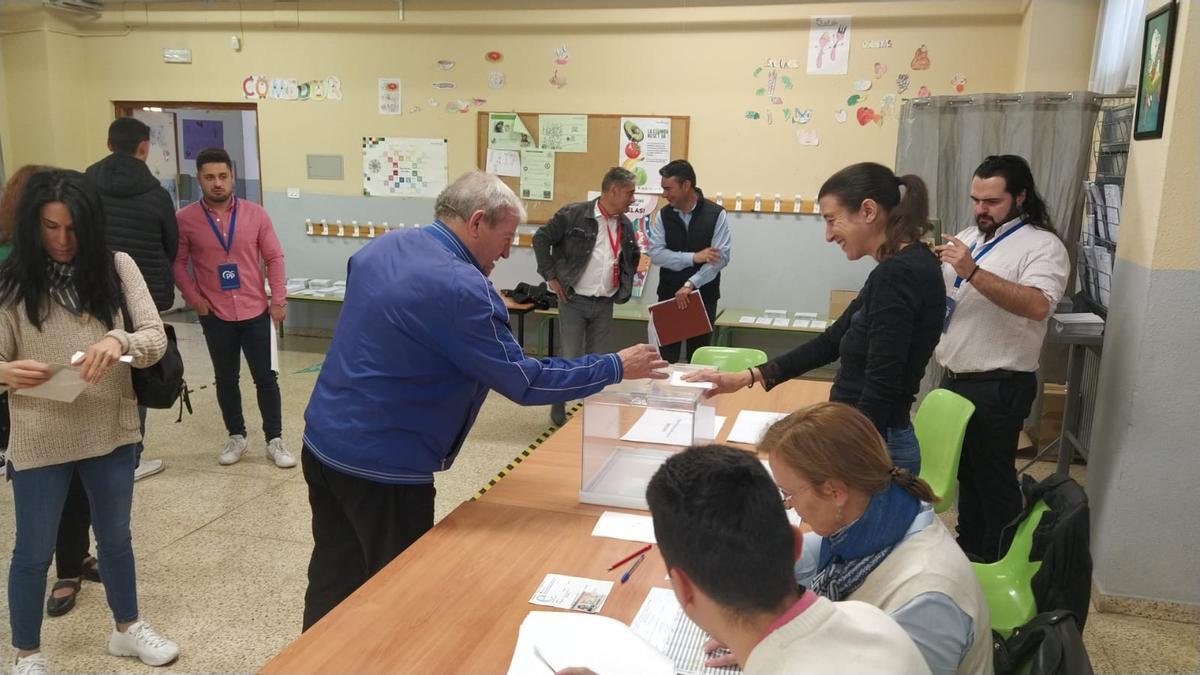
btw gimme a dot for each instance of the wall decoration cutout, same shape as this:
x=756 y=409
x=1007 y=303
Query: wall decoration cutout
x=752 y=115
x=901 y=83
x=561 y=55
x=495 y=80
x=959 y=82
x=787 y=82
x=866 y=115
x=478 y=102
x=444 y=85
x=389 y=96
x=258 y=87
x=493 y=57
x=458 y=105
x=802 y=116
x=862 y=85
x=558 y=81
x=445 y=64
x=415 y=109
x=840 y=116
x=880 y=69
x=776 y=100
x=770 y=118
x=433 y=102
x=855 y=99
x=923 y=92
x=887 y=106
x=807 y=137
x=761 y=91
x=920 y=60
x=404 y=167
x=828 y=45
x=877 y=44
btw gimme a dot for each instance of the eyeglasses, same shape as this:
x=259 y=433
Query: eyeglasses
x=788 y=496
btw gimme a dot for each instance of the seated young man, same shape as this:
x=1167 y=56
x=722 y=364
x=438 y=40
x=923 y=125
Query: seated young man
x=729 y=550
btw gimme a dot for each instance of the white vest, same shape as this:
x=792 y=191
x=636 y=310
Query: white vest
x=931 y=560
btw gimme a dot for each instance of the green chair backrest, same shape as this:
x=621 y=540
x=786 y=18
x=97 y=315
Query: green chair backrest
x=729 y=358
x=1007 y=583
x=940 y=425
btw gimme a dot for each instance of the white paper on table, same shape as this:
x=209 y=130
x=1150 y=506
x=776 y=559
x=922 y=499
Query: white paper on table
x=774 y=312
x=678 y=381
x=668 y=427
x=274 y=347
x=64 y=385
x=750 y=426
x=662 y=623
x=819 y=323
x=601 y=644
x=561 y=591
x=806 y=315
x=802 y=323
x=748 y=319
x=763 y=321
x=504 y=162
x=781 y=322
x=627 y=526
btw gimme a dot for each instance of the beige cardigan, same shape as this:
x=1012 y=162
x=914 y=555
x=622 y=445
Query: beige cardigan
x=104 y=417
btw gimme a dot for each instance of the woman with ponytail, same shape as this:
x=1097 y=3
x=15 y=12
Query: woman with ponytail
x=885 y=337
x=875 y=537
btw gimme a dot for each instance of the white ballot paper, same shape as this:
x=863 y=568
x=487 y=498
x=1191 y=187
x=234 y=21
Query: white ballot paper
x=669 y=427
x=627 y=526
x=65 y=383
x=552 y=641
x=750 y=426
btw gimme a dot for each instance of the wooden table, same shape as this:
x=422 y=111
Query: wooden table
x=454 y=601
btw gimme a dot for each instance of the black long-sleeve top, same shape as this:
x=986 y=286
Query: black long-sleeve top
x=884 y=339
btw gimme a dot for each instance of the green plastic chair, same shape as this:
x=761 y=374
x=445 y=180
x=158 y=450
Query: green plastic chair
x=1007 y=583
x=940 y=425
x=729 y=359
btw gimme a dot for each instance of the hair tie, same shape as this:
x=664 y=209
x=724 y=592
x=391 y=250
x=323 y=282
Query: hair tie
x=899 y=181
x=897 y=472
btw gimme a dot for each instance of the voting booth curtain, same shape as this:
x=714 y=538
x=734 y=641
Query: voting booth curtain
x=943 y=139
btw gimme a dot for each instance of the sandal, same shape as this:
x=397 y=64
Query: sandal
x=56 y=606
x=91 y=569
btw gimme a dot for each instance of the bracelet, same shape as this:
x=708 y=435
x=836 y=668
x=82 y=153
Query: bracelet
x=972 y=274
x=751 y=371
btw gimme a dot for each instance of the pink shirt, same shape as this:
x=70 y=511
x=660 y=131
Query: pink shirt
x=254 y=243
x=806 y=600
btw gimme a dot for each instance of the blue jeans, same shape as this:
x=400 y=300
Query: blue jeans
x=38 y=496
x=904 y=449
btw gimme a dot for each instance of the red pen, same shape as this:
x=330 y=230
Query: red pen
x=629 y=557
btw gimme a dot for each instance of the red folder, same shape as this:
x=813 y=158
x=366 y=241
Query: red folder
x=672 y=324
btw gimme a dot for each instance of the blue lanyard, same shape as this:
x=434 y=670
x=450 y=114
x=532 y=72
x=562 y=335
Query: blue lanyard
x=984 y=251
x=227 y=245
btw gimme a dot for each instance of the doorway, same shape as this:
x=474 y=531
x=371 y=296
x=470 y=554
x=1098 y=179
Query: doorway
x=180 y=130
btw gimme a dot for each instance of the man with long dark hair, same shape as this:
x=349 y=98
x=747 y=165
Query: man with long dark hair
x=1004 y=275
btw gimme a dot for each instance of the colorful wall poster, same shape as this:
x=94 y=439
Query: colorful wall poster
x=404 y=167
x=506 y=131
x=563 y=133
x=644 y=148
x=389 y=96
x=829 y=45
x=537 y=174
x=503 y=162
x=202 y=134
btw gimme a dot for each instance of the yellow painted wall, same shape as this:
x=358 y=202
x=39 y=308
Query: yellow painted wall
x=696 y=62
x=1056 y=45
x=1158 y=221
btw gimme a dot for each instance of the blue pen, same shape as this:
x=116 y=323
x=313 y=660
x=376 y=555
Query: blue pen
x=634 y=566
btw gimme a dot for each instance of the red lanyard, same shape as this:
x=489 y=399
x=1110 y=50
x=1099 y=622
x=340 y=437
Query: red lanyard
x=614 y=242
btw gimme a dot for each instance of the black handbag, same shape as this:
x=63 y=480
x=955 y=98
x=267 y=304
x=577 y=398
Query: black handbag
x=1050 y=644
x=160 y=385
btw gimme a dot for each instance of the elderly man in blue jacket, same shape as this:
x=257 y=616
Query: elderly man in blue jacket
x=421 y=340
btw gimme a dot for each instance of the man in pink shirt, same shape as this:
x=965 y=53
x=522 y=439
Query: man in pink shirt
x=227 y=241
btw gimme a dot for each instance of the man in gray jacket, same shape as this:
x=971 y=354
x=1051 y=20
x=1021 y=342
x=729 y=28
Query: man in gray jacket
x=588 y=253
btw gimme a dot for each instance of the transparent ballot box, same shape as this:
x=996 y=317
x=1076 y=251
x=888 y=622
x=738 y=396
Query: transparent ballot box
x=631 y=428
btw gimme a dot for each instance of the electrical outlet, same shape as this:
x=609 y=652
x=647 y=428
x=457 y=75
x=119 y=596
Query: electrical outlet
x=293 y=193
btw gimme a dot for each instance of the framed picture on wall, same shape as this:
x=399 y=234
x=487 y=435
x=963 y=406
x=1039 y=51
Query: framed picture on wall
x=1157 y=43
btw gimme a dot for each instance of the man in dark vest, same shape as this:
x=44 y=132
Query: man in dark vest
x=690 y=242
x=141 y=222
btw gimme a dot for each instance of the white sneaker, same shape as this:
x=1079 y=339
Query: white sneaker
x=148 y=467
x=279 y=454
x=142 y=641
x=34 y=664
x=234 y=447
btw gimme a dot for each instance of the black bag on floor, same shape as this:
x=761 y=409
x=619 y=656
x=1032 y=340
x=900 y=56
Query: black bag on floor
x=1050 y=644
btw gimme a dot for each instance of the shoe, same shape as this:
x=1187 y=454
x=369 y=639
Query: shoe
x=142 y=641
x=279 y=454
x=34 y=664
x=234 y=447
x=91 y=569
x=148 y=468
x=56 y=606
x=558 y=414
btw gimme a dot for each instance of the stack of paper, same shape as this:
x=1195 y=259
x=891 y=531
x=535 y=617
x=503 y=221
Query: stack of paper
x=662 y=623
x=1082 y=325
x=553 y=641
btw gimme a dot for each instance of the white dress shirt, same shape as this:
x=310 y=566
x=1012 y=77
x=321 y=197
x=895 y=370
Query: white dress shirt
x=596 y=279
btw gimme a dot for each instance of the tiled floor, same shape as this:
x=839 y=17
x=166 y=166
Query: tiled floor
x=222 y=551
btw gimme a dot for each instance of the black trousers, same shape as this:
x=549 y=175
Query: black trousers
x=358 y=526
x=227 y=341
x=72 y=544
x=670 y=353
x=989 y=496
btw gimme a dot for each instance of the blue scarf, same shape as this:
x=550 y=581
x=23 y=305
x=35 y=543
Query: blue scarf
x=849 y=555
